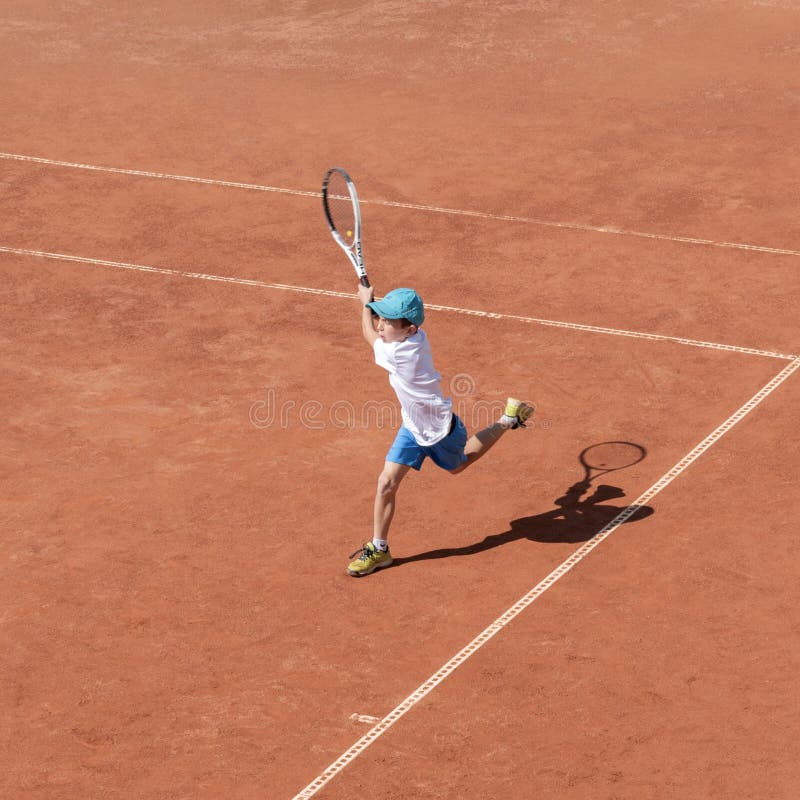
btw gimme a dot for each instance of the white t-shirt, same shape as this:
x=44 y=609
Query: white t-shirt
x=425 y=410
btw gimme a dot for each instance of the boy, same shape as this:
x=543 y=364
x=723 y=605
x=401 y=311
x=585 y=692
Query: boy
x=429 y=429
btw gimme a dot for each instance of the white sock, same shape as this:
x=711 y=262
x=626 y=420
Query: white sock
x=381 y=544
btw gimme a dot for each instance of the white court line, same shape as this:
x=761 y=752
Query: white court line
x=656 y=337
x=365 y=718
x=161 y=175
x=559 y=572
x=576 y=226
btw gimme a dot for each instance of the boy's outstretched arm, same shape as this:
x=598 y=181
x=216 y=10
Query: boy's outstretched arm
x=366 y=294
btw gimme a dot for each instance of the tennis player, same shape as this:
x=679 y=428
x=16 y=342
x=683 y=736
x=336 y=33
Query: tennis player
x=430 y=429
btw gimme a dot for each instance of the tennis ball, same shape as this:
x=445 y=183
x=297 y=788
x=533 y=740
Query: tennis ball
x=349 y=233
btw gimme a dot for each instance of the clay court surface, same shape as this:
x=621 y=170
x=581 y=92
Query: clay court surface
x=193 y=425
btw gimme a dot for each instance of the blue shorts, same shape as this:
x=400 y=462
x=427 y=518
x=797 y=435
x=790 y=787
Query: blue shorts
x=447 y=453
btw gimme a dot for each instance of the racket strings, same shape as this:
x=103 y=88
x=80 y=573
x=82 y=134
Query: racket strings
x=341 y=213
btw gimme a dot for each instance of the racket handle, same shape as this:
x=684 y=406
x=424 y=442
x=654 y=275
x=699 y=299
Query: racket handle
x=365 y=281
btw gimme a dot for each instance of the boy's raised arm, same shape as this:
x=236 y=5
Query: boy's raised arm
x=366 y=294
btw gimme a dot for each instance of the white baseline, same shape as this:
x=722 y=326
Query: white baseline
x=577 y=226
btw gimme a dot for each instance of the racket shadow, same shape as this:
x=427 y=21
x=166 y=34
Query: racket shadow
x=579 y=514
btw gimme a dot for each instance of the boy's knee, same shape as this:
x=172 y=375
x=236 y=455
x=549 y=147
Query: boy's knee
x=387 y=484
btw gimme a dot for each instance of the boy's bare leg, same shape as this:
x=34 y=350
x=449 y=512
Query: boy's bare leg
x=479 y=444
x=388 y=483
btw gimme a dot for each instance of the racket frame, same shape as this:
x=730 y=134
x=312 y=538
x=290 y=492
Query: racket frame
x=353 y=251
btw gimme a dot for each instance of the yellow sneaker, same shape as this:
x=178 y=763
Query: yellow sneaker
x=369 y=559
x=516 y=413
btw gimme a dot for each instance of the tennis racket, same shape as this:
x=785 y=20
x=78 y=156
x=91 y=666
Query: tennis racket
x=599 y=459
x=340 y=201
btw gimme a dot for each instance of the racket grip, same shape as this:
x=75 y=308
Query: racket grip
x=365 y=281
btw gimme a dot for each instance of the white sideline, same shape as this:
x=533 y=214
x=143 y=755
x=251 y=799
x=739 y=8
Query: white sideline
x=432 y=306
x=577 y=226
x=482 y=638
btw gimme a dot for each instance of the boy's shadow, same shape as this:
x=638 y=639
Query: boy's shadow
x=573 y=520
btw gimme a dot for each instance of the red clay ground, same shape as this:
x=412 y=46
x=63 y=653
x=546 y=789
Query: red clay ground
x=192 y=628
x=177 y=617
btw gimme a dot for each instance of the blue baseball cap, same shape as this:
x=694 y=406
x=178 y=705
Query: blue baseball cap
x=400 y=304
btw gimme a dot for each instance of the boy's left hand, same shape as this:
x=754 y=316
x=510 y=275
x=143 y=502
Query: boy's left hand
x=366 y=294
